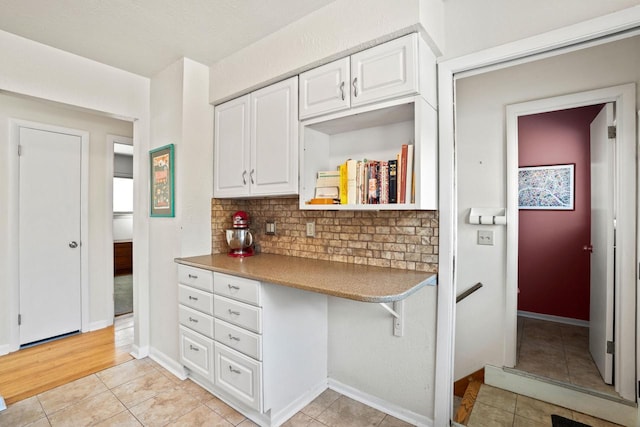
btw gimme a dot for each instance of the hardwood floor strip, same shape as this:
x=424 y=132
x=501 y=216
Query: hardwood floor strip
x=31 y=371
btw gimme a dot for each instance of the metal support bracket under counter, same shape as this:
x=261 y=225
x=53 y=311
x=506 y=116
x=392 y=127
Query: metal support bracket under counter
x=356 y=282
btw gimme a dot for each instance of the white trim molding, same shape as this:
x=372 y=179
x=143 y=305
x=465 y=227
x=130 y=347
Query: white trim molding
x=599 y=29
x=552 y=318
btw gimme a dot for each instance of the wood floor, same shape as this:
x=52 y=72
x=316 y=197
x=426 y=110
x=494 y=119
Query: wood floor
x=34 y=370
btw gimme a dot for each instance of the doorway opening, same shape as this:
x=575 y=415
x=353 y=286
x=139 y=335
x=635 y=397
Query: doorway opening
x=565 y=280
x=123 y=240
x=558 y=192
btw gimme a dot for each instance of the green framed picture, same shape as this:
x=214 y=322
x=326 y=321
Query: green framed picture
x=162 y=181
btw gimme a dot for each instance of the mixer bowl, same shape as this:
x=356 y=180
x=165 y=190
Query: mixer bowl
x=239 y=238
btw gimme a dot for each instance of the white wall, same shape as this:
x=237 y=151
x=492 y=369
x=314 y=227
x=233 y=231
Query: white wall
x=101 y=248
x=364 y=353
x=36 y=70
x=180 y=115
x=336 y=30
x=472 y=25
x=481 y=151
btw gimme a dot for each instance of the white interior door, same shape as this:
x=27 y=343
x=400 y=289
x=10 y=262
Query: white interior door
x=49 y=234
x=602 y=242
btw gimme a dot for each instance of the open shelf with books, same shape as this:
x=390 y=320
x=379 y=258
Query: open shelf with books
x=353 y=154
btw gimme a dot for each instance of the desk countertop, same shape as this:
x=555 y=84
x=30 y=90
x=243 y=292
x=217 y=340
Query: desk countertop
x=351 y=281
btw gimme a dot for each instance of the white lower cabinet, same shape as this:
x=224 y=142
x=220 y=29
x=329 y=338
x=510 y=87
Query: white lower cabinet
x=261 y=348
x=239 y=375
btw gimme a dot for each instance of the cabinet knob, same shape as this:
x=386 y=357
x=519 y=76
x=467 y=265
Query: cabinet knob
x=342 y=90
x=355 y=87
x=235 y=371
x=193 y=298
x=251 y=176
x=191 y=319
x=231 y=337
x=233 y=288
x=244 y=177
x=237 y=313
x=193 y=348
x=192 y=276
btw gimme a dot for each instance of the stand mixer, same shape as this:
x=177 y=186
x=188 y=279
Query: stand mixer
x=239 y=237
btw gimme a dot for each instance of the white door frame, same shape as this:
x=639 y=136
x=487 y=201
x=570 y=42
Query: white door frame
x=113 y=139
x=14 y=238
x=600 y=30
x=624 y=98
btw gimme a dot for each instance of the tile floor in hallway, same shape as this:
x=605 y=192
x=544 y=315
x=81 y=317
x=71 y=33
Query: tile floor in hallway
x=141 y=392
x=500 y=408
x=560 y=352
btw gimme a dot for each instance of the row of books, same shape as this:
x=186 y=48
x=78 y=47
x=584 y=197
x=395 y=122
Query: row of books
x=369 y=182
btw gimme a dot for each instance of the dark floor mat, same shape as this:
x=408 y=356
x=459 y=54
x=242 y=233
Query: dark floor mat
x=558 y=421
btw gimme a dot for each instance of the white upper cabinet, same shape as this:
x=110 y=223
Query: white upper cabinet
x=231 y=148
x=390 y=70
x=385 y=71
x=325 y=89
x=256 y=143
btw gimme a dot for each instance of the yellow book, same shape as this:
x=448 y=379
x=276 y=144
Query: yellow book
x=343 y=184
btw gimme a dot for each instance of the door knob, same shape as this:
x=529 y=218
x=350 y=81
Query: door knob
x=588 y=248
x=73 y=245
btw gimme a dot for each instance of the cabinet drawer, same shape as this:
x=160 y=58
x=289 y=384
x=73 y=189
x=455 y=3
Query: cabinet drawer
x=196 y=353
x=238 y=288
x=195 y=277
x=239 y=339
x=197 y=321
x=238 y=313
x=196 y=299
x=239 y=375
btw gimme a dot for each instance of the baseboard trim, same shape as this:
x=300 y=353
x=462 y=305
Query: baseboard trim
x=380 y=404
x=5 y=349
x=168 y=363
x=139 y=352
x=588 y=402
x=297 y=405
x=100 y=324
x=552 y=318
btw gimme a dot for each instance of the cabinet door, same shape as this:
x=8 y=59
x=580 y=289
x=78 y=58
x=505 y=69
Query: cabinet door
x=385 y=71
x=325 y=89
x=231 y=149
x=196 y=353
x=274 y=139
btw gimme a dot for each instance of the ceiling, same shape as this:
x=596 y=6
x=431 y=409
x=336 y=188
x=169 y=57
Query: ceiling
x=145 y=36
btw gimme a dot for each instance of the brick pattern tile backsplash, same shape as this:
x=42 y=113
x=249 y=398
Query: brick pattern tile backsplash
x=397 y=239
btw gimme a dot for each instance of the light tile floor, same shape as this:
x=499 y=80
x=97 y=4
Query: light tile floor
x=560 y=352
x=141 y=392
x=497 y=408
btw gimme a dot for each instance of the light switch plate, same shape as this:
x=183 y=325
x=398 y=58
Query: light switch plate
x=270 y=228
x=485 y=237
x=311 y=229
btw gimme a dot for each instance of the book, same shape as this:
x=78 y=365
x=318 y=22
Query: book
x=402 y=190
x=325 y=174
x=327 y=192
x=359 y=181
x=351 y=181
x=393 y=181
x=343 y=183
x=383 y=181
x=409 y=174
x=328 y=181
x=372 y=179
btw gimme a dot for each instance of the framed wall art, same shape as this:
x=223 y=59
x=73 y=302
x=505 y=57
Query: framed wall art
x=546 y=187
x=162 y=181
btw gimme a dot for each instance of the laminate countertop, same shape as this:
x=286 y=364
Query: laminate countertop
x=352 y=281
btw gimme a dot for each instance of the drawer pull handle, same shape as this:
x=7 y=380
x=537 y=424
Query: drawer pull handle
x=237 y=313
x=234 y=288
x=235 y=371
x=192 y=276
x=193 y=348
x=191 y=319
x=231 y=337
x=193 y=298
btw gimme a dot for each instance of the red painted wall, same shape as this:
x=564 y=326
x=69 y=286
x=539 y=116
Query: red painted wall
x=553 y=269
